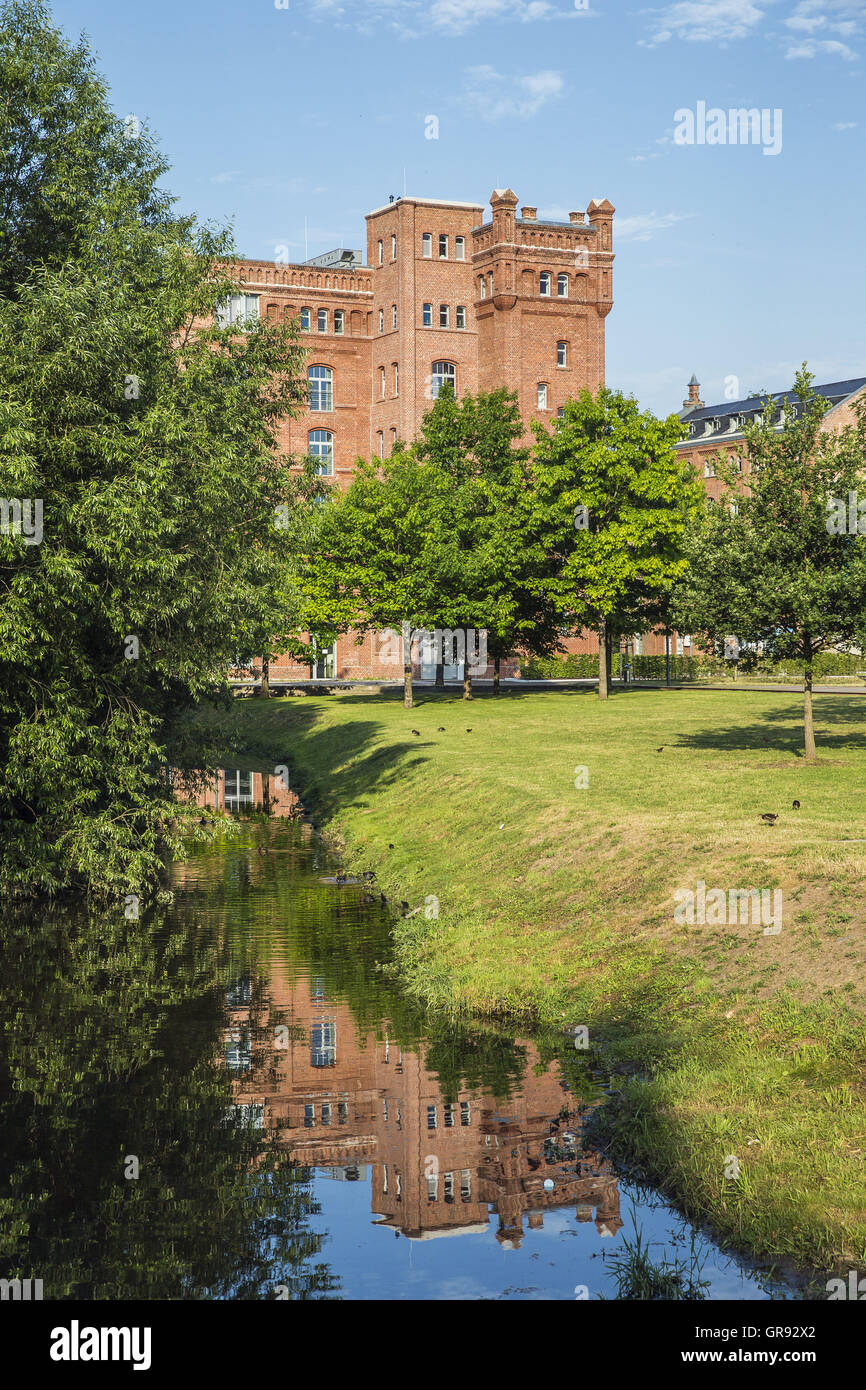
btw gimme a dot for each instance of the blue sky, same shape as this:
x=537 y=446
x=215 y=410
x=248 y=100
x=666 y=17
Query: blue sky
x=730 y=262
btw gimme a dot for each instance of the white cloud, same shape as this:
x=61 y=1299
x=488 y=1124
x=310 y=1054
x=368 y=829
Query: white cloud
x=643 y=226
x=449 y=17
x=845 y=125
x=493 y=96
x=705 y=21
x=843 y=17
x=810 y=48
x=228 y=176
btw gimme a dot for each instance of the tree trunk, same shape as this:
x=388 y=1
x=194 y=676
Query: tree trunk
x=808 y=722
x=265 y=685
x=496 y=665
x=467 y=682
x=602 y=660
x=608 y=655
x=440 y=675
x=407 y=665
x=266 y=793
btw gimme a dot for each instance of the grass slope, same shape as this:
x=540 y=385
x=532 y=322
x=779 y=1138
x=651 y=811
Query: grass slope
x=556 y=906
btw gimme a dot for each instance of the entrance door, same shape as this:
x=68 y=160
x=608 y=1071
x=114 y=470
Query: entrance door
x=324 y=667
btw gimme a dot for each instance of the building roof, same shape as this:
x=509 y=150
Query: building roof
x=711 y=423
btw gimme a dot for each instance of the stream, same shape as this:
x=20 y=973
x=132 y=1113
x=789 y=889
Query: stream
x=229 y=1097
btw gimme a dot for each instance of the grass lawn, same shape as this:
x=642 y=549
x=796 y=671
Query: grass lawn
x=556 y=906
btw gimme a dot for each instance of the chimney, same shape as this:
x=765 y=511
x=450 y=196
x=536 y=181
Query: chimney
x=528 y=214
x=694 y=401
x=576 y=217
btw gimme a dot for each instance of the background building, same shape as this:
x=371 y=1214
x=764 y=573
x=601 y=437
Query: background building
x=510 y=302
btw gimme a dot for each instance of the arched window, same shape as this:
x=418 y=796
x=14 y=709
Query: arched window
x=562 y=354
x=321 y=387
x=483 y=286
x=381 y=320
x=544 y=282
x=542 y=395
x=321 y=448
x=562 y=285
x=305 y=320
x=322 y=320
x=442 y=372
x=393 y=315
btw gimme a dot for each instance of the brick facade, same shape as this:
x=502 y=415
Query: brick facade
x=493 y=318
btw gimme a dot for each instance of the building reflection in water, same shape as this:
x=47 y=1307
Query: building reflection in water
x=357 y=1106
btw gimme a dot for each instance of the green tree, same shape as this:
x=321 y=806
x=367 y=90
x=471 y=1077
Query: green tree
x=612 y=501
x=781 y=566
x=366 y=572
x=483 y=559
x=145 y=442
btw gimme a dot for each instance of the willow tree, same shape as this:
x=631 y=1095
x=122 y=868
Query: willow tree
x=144 y=444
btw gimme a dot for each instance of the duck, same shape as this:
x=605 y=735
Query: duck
x=770 y=817
x=795 y=805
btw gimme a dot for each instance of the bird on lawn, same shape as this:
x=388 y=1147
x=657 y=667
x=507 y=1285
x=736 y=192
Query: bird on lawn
x=390 y=846
x=417 y=733
x=469 y=731
x=769 y=817
x=795 y=805
x=661 y=750
x=441 y=729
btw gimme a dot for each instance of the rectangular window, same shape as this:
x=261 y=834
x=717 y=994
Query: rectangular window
x=382 y=382
x=490 y=280
x=393 y=246
x=544 y=282
x=381 y=320
x=432 y=1189
x=393 y=315
x=542 y=395
x=428 y=316
x=449 y=1116
x=562 y=286
x=238 y=789
x=305 y=320
x=323 y=1043
x=444 y=316
x=343 y=1112
x=396 y=379
x=461 y=315
x=448 y=1187
x=339 y=321
x=322 y=318
x=443 y=247
x=238 y=308
x=309 y=1116
x=380 y=443
x=466 y=1185
x=562 y=354
x=460 y=248
x=465 y=1113
x=431 y=1117
x=484 y=287
x=381 y=253
x=427 y=245
x=326 y=1114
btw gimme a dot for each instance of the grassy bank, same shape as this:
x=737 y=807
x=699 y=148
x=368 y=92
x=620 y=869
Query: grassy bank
x=556 y=905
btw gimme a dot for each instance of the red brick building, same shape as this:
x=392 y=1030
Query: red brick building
x=444 y=295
